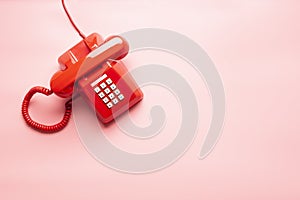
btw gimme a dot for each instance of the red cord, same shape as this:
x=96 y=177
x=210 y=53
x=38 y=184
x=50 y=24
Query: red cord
x=40 y=127
x=71 y=20
x=25 y=105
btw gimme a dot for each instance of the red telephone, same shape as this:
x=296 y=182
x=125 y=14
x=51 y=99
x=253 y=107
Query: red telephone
x=103 y=82
x=102 y=79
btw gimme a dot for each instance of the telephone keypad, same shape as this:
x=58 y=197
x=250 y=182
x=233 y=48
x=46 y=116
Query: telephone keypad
x=110 y=95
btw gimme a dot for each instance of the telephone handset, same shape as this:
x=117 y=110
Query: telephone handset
x=95 y=66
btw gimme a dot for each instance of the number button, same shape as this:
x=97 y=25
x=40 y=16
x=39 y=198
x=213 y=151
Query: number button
x=109 y=105
x=111 y=95
x=121 y=97
x=107 y=90
x=117 y=91
x=115 y=101
x=97 y=89
x=109 y=81
x=101 y=95
x=113 y=86
x=105 y=100
x=103 y=85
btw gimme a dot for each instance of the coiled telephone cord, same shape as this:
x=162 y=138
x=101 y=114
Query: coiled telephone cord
x=41 y=127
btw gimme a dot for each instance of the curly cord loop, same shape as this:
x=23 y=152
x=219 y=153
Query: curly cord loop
x=41 y=127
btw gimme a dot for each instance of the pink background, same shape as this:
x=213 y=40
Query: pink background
x=255 y=45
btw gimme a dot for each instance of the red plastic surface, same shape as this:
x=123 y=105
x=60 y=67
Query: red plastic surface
x=62 y=82
x=112 y=73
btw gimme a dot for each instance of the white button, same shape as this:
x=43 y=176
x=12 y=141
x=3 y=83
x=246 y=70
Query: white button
x=97 y=89
x=105 y=100
x=109 y=81
x=117 y=92
x=121 y=97
x=101 y=95
x=103 y=85
x=115 y=101
x=111 y=95
x=107 y=90
x=109 y=105
x=113 y=86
